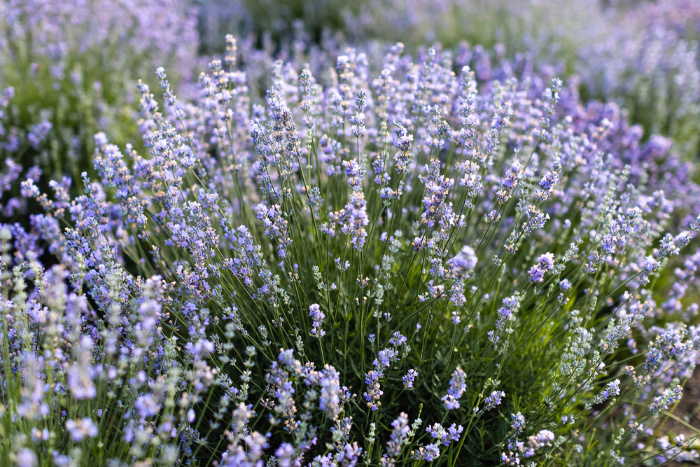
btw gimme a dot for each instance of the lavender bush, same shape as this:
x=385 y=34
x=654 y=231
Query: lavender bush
x=68 y=70
x=379 y=267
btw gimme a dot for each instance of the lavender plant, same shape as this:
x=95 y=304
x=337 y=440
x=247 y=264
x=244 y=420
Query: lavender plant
x=382 y=267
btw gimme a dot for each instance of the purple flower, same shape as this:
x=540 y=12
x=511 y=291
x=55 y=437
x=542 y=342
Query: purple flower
x=510 y=182
x=436 y=191
x=457 y=387
x=443 y=436
x=81 y=373
x=399 y=432
x=428 y=453
x=397 y=340
x=463 y=263
x=404 y=142
x=517 y=423
x=27 y=458
x=540 y=440
x=275 y=226
x=668 y=397
x=546 y=261
x=493 y=400
x=80 y=429
x=331 y=392
x=507 y=312
x=318 y=316
x=409 y=378
x=536 y=274
x=146 y=406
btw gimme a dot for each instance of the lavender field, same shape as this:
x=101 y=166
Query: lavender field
x=322 y=233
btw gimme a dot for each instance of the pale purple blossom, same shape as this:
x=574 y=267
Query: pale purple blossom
x=317 y=316
x=456 y=390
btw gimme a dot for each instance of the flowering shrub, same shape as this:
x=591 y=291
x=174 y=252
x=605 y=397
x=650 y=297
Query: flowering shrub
x=369 y=266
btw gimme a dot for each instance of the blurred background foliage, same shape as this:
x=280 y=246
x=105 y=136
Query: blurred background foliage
x=68 y=70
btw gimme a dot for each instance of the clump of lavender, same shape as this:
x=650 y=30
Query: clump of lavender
x=209 y=308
